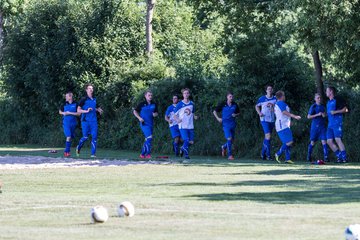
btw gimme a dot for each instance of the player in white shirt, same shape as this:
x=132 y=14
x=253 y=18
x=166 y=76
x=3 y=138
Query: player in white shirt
x=184 y=116
x=282 y=126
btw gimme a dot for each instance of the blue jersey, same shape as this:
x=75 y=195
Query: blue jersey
x=226 y=112
x=69 y=107
x=146 y=111
x=320 y=120
x=267 y=108
x=170 y=114
x=332 y=105
x=86 y=103
x=185 y=112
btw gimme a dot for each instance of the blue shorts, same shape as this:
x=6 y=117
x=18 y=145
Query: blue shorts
x=334 y=132
x=89 y=128
x=267 y=126
x=187 y=134
x=147 y=130
x=69 y=129
x=318 y=133
x=229 y=132
x=175 y=132
x=285 y=135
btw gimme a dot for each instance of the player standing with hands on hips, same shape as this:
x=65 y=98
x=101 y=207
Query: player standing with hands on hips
x=229 y=110
x=145 y=113
x=88 y=108
x=282 y=126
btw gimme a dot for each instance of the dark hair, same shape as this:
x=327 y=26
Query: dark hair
x=68 y=92
x=229 y=93
x=279 y=94
x=175 y=95
x=333 y=89
x=268 y=85
x=147 y=91
x=88 y=85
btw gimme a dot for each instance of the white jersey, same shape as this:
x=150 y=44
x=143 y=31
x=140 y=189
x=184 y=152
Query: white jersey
x=282 y=121
x=267 y=108
x=185 y=112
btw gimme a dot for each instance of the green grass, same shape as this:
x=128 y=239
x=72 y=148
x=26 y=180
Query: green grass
x=210 y=198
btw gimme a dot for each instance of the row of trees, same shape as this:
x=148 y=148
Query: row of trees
x=124 y=47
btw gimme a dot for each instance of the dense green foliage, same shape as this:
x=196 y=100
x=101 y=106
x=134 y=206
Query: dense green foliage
x=209 y=46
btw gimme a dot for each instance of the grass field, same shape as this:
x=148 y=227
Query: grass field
x=209 y=198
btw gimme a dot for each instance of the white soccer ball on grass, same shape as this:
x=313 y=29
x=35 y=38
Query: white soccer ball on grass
x=352 y=232
x=99 y=214
x=126 y=209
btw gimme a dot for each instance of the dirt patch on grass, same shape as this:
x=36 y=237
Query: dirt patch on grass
x=31 y=162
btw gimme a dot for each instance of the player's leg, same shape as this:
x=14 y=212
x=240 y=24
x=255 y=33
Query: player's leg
x=175 y=134
x=229 y=135
x=67 y=133
x=146 y=149
x=338 y=133
x=287 y=140
x=266 y=146
x=324 y=145
x=85 y=132
x=191 y=133
x=94 y=134
x=314 y=135
x=185 y=135
x=330 y=141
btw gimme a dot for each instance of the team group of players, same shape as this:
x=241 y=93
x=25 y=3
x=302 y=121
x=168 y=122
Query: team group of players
x=272 y=110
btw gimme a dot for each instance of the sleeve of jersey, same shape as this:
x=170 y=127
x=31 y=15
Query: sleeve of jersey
x=218 y=108
x=260 y=100
x=138 y=107
x=82 y=102
x=156 y=108
x=167 y=113
x=282 y=106
x=62 y=107
x=177 y=108
x=237 y=110
x=311 y=110
x=340 y=103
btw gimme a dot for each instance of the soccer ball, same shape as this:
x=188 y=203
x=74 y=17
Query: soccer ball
x=99 y=214
x=126 y=209
x=352 y=232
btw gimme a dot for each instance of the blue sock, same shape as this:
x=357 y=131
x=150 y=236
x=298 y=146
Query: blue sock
x=229 y=147
x=338 y=154
x=148 y=145
x=67 y=146
x=176 y=148
x=143 y=149
x=281 y=150
x=263 y=149
x=287 y=153
x=268 y=147
x=224 y=146
x=343 y=155
x=325 y=149
x=93 y=146
x=81 y=142
x=185 y=148
x=310 y=149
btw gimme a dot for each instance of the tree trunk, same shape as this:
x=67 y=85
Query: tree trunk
x=318 y=74
x=149 y=17
x=1 y=35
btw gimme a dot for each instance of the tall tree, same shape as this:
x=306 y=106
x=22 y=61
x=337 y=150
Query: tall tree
x=149 y=18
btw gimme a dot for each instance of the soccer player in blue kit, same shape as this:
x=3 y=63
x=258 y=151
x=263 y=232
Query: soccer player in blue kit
x=88 y=107
x=265 y=109
x=317 y=114
x=145 y=113
x=282 y=126
x=184 y=115
x=336 y=107
x=229 y=110
x=173 y=125
x=69 y=112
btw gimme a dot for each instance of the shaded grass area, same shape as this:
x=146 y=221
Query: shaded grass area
x=208 y=198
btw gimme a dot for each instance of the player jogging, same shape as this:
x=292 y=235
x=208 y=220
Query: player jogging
x=229 y=110
x=69 y=112
x=265 y=109
x=173 y=125
x=282 y=126
x=317 y=115
x=145 y=113
x=88 y=107
x=335 y=107
x=184 y=115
